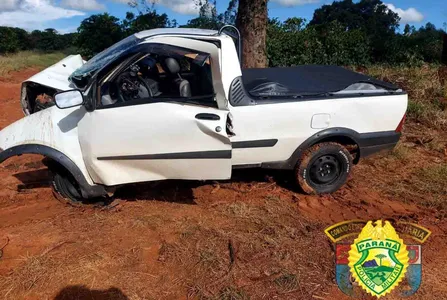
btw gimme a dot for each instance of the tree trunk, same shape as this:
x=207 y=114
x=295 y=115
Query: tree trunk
x=252 y=22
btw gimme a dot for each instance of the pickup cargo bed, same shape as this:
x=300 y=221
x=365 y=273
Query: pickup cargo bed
x=257 y=86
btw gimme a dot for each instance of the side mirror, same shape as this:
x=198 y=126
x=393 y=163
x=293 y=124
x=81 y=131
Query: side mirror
x=69 y=99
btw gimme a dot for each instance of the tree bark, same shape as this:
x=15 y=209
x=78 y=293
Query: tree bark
x=252 y=22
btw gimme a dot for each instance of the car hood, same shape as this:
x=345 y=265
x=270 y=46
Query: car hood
x=57 y=75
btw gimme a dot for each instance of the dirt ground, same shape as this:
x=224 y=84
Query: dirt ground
x=252 y=238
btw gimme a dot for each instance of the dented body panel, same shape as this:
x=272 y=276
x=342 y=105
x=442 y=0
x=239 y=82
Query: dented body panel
x=54 y=128
x=49 y=81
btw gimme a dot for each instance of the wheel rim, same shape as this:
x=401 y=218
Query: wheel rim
x=325 y=170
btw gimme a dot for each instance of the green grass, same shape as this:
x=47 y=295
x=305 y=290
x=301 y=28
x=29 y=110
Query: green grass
x=27 y=59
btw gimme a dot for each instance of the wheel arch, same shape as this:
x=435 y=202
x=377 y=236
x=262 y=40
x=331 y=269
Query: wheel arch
x=88 y=191
x=344 y=136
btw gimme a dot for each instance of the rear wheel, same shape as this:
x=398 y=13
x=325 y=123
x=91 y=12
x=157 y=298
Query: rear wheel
x=323 y=168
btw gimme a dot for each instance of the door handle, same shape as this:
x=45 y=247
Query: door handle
x=208 y=117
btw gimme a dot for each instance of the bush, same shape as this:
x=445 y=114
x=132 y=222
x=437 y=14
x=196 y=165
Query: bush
x=291 y=43
x=16 y=39
x=8 y=40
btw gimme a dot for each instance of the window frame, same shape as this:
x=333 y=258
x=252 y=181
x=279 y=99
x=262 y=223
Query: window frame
x=135 y=55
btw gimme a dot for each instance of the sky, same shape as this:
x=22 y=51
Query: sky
x=66 y=15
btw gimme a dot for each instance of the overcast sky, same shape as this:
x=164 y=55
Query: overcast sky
x=65 y=15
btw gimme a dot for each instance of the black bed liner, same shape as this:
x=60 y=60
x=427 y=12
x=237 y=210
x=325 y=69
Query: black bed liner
x=303 y=83
x=304 y=80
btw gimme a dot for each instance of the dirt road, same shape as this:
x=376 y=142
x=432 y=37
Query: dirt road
x=254 y=237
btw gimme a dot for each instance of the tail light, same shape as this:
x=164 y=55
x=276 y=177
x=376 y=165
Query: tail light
x=401 y=124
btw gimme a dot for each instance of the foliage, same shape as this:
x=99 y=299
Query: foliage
x=370 y=16
x=144 y=21
x=8 y=40
x=16 y=39
x=97 y=33
x=294 y=43
x=50 y=40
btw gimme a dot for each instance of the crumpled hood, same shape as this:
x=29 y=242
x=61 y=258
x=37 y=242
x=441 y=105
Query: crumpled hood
x=57 y=75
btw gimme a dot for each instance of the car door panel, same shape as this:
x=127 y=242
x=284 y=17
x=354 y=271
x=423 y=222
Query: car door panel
x=155 y=141
x=160 y=139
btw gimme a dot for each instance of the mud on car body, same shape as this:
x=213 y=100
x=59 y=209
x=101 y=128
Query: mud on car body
x=175 y=104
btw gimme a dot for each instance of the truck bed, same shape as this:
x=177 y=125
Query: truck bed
x=301 y=83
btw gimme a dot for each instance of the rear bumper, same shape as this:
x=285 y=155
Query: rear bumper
x=371 y=143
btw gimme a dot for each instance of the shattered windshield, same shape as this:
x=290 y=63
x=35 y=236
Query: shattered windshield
x=101 y=59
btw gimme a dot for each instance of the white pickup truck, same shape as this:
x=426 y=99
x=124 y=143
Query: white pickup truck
x=175 y=104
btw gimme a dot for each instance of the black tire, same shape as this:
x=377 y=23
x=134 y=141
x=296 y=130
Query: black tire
x=66 y=188
x=323 y=168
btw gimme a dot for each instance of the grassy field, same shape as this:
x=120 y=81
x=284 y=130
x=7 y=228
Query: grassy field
x=27 y=59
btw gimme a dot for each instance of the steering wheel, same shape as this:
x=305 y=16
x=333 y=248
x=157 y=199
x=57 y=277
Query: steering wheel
x=131 y=87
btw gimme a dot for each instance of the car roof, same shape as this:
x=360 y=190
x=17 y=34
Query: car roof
x=175 y=31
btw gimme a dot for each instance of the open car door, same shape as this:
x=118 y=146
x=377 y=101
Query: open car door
x=163 y=139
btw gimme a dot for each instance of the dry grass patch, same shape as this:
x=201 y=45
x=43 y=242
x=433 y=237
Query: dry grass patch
x=401 y=152
x=425 y=186
x=287 y=283
x=426 y=87
x=433 y=180
x=261 y=246
x=27 y=59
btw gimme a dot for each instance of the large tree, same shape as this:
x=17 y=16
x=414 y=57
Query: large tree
x=145 y=21
x=252 y=22
x=97 y=33
x=370 y=16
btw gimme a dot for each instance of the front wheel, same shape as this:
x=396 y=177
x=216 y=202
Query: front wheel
x=323 y=168
x=66 y=189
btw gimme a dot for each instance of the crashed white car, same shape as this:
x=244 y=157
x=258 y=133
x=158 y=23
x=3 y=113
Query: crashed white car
x=175 y=104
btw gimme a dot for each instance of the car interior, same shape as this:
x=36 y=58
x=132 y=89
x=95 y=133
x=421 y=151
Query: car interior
x=176 y=73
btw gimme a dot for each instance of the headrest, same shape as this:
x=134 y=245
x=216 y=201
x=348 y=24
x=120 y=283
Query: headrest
x=171 y=65
x=149 y=62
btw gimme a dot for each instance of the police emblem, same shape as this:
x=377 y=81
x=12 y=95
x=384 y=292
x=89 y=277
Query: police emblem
x=378 y=260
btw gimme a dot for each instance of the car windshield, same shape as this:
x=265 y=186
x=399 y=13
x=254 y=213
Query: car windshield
x=101 y=59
